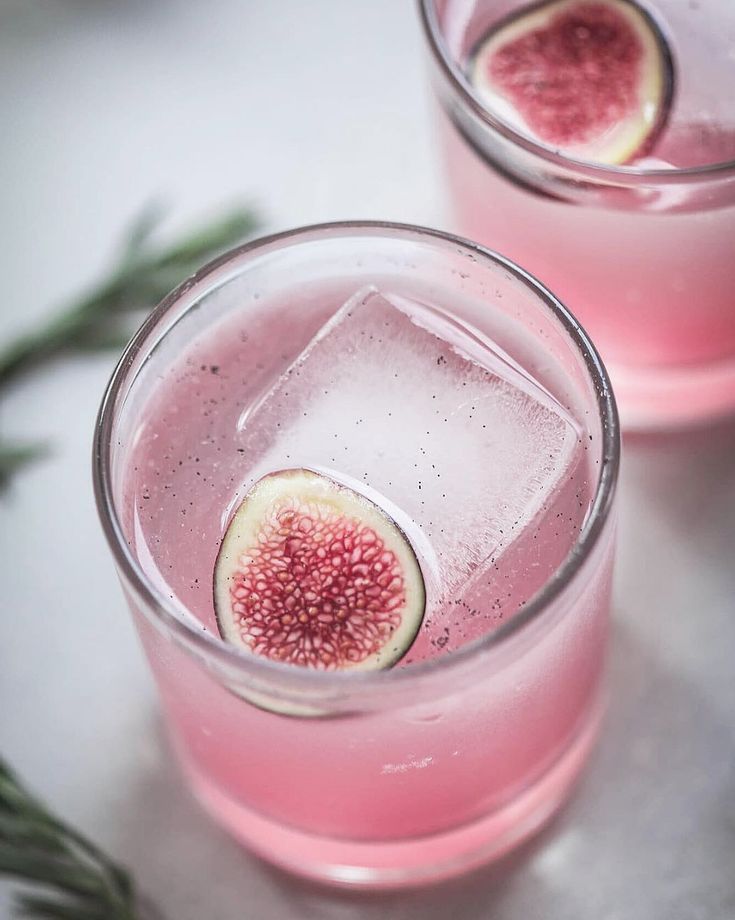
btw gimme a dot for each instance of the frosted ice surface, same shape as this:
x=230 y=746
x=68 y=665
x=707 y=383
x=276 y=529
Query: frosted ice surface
x=393 y=396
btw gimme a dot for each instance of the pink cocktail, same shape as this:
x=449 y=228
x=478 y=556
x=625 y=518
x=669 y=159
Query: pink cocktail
x=448 y=389
x=640 y=249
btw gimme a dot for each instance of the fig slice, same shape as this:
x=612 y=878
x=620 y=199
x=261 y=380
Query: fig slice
x=592 y=79
x=312 y=573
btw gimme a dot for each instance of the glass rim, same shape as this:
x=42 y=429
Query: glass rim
x=592 y=171
x=206 y=644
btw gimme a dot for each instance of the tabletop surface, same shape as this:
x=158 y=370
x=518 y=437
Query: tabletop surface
x=313 y=112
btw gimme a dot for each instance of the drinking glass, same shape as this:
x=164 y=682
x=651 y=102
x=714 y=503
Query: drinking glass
x=389 y=777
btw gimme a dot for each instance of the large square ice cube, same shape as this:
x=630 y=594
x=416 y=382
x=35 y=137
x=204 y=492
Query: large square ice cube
x=456 y=442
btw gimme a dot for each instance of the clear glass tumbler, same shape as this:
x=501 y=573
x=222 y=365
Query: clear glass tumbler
x=641 y=253
x=365 y=778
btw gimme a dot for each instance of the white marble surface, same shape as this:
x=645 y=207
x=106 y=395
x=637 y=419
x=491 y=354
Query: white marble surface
x=315 y=111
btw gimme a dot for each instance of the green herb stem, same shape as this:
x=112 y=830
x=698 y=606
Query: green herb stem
x=142 y=277
x=39 y=849
x=103 y=317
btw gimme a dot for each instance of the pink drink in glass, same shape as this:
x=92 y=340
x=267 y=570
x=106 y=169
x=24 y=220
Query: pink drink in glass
x=642 y=252
x=472 y=740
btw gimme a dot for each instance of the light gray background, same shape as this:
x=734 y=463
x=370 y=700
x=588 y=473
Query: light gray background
x=314 y=111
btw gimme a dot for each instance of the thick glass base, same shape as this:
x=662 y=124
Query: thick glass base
x=410 y=862
x=669 y=398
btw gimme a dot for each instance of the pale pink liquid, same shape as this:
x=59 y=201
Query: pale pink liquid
x=654 y=289
x=423 y=787
x=650 y=275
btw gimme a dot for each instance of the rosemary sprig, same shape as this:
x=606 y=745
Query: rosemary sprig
x=78 y=880
x=142 y=275
x=101 y=319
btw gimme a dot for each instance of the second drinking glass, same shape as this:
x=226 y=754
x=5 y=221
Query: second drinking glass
x=594 y=142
